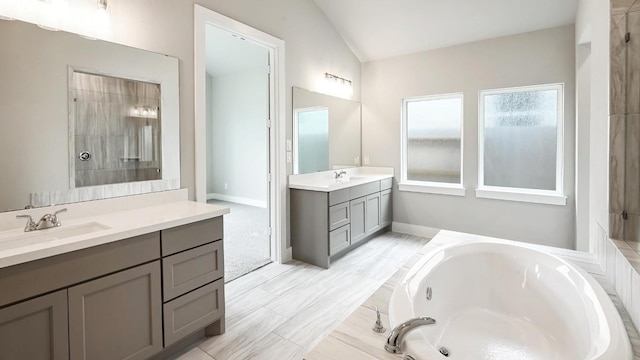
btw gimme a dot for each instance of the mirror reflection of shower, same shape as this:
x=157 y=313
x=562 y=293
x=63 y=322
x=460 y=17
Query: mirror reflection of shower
x=116 y=130
x=311 y=140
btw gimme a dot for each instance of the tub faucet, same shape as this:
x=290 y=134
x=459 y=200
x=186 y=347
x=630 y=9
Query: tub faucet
x=394 y=340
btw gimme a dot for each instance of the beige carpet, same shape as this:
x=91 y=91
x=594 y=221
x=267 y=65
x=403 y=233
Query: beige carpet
x=246 y=243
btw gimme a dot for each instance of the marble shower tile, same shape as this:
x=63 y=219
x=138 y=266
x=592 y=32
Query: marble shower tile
x=635 y=299
x=617 y=163
x=618 y=56
x=632 y=164
x=617 y=226
x=620 y=6
x=633 y=64
x=632 y=228
x=635 y=6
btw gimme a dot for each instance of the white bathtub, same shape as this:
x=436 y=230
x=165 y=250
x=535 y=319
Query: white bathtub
x=495 y=300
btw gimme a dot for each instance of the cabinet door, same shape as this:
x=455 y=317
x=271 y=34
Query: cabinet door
x=117 y=316
x=373 y=213
x=35 y=329
x=386 y=208
x=358 y=216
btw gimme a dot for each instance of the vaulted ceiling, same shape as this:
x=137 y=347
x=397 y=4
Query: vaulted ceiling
x=376 y=29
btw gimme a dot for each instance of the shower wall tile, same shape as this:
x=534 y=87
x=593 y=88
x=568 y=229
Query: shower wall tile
x=632 y=165
x=633 y=64
x=95 y=146
x=635 y=6
x=617 y=163
x=620 y=6
x=632 y=228
x=617 y=226
x=618 y=64
x=102 y=192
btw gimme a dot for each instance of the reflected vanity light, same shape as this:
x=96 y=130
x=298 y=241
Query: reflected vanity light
x=148 y=112
x=337 y=86
x=102 y=5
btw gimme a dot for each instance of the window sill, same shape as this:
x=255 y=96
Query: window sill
x=521 y=195
x=432 y=188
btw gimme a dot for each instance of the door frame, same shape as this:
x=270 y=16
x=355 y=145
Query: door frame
x=277 y=161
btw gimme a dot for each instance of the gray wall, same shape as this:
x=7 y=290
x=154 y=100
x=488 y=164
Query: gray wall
x=236 y=126
x=539 y=57
x=313 y=47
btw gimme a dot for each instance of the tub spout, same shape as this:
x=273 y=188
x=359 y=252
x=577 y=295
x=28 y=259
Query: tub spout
x=394 y=340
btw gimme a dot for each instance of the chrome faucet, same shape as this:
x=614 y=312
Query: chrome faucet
x=46 y=221
x=394 y=340
x=339 y=174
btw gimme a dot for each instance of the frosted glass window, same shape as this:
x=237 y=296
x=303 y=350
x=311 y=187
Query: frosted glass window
x=312 y=140
x=433 y=131
x=519 y=137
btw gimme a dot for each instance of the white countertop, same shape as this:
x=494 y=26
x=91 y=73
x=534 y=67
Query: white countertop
x=325 y=180
x=16 y=248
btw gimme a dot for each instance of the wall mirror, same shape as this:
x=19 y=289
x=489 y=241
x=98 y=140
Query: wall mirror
x=326 y=132
x=83 y=119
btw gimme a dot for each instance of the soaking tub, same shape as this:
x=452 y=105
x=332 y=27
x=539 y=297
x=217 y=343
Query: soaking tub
x=497 y=300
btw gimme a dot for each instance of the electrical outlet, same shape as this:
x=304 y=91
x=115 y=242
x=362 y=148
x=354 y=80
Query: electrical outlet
x=288 y=145
x=356 y=160
x=289 y=157
x=366 y=160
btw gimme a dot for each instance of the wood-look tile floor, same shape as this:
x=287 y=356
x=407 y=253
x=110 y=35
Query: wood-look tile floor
x=281 y=311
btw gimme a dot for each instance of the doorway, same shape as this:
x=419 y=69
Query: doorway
x=266 y=192
x=237 y=99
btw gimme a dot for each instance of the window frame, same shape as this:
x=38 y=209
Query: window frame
x=551 y=197
x=431 y=187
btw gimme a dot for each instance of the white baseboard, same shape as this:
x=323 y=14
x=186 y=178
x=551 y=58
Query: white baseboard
x=237 y=200
x=416 y=230
x=287 y=255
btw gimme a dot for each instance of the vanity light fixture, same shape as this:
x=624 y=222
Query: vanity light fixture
x=148 y=112
x=338 y=86
x=102 y=4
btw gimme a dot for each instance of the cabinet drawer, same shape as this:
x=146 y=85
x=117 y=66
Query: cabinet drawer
x=338 y=196
x=338 y=216
x=191 y=269
x=364 y=189
x=41 y=276
x=193 y=311
x=191 y=235
x=386 y=184
x=339 y=239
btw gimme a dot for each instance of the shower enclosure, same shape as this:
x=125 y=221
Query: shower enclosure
x=624 y=164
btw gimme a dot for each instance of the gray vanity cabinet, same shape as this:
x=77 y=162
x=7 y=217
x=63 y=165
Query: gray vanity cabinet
x=35 y=329
x=107 y=301
x=103 y=310
x=325 y=225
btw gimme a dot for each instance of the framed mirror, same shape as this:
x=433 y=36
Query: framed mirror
x=326 y=132
x=84 y=119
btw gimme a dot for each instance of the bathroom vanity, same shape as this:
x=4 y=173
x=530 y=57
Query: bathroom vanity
x=148 y=278
x=330 y=216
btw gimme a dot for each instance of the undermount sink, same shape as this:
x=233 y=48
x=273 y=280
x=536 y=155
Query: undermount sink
x=14 y=239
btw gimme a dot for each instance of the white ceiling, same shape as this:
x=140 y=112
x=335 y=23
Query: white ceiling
x=228 y=53
x=377 y=29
